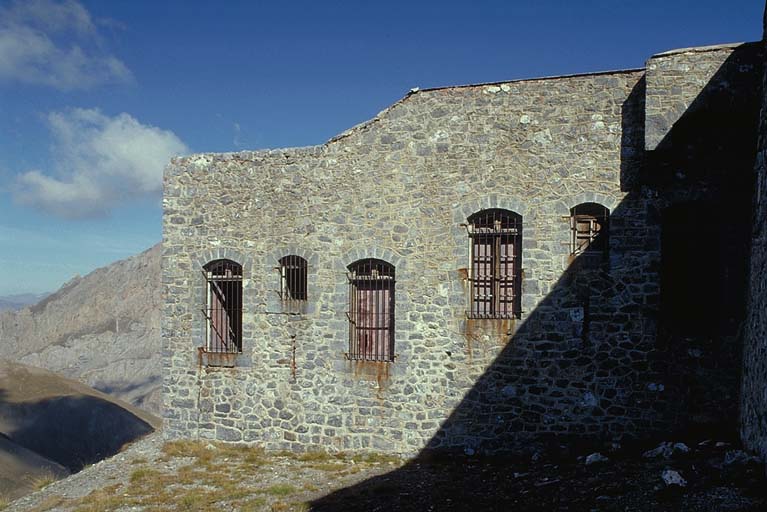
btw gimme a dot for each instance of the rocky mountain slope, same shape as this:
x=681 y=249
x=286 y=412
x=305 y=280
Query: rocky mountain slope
x=102 y=329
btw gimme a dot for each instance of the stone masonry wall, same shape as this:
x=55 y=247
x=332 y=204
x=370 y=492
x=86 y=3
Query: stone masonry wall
x=754 y=394
x=701 y=124
x=582 y=360
x=674 y=82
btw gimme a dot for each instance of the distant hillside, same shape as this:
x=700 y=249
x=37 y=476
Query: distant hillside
x=51 y=426
x=19 y=301
x=21 y=468
x=102 y=329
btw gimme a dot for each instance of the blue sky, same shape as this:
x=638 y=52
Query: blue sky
x=95 y=96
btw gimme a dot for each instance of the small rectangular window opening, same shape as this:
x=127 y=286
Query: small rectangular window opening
x=293 y=282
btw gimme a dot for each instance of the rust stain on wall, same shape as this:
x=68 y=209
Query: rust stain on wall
x=372 y=370
x=220 y=359
x=500 y=328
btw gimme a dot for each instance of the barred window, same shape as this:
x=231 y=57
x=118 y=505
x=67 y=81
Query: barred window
x=293 y=270
x=371 y=310
x=589 y=229
x=223 y=308
x=495 y=252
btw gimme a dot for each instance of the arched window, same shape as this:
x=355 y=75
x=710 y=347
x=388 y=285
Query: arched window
x=589 y=230
x=293 y=281
x=371 y=310
x=495 y=253
x=223 y=308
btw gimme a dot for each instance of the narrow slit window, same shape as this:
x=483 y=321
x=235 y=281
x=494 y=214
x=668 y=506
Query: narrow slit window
x=293 y=281
x=495 y=253
x=589 y=230
x=223 y=308
x=371 y=310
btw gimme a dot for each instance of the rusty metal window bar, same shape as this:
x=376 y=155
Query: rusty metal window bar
x=293 y=281
x=371 y=310
x=495 y=253
x=223 y=307
x=589 y=230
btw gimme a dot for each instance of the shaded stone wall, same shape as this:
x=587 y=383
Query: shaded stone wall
x=702 y=117
x=588 y=357
x=754 y=399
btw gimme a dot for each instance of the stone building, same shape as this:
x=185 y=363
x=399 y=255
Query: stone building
x=754 y=392
x=475 y=266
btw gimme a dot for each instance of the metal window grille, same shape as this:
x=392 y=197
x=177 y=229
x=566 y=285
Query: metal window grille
x=223 y=308
x=371 y=310
x=293 y=281
x=589 y=228
x=496 y=264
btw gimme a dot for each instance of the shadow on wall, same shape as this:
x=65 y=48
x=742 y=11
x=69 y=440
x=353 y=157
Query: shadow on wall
x=702 y=171
x=638 y=347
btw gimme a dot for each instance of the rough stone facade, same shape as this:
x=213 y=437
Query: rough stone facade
x=594 y=352
x=754 y=397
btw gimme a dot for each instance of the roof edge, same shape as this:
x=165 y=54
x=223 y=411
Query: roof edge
x=538 y=78
x=703 y=49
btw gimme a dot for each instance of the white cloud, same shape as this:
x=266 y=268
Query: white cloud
x=57 y=44
x=236 y=139
x=101 y=162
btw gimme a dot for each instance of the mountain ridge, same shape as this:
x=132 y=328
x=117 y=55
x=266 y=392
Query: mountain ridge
x=102 y=329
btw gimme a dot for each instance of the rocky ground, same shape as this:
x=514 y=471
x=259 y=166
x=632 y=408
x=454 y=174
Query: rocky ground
x=707 y=477
x=150 y=475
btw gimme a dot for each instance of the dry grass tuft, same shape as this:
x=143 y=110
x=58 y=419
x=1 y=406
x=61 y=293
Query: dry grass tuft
x=328 y=466
x=196 y=500
x=196 y=449
x=144 y=474
x=376 y=458
x=102 y=500
x=49 y=503
x=254 y=455
x=252 y=505
x=315 y=456
x=281 y=506
x=351 y=470
x=43 y=480
x=281 y=490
